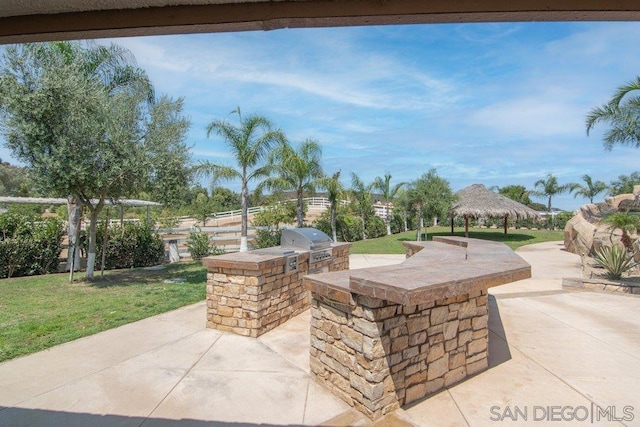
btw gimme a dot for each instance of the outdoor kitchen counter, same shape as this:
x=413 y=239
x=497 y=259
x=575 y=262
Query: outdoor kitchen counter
x=384 y=337
x=250 y=293
x=446 y=267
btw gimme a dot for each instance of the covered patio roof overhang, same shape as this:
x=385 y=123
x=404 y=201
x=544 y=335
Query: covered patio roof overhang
x=42 y=20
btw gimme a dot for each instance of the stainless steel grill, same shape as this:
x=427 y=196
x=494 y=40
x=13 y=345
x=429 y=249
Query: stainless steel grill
x=308 y=239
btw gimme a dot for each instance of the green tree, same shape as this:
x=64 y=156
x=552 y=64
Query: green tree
x=516 y=192
x=14 y=181
x=388 y=194
x=361 y=201
x=589 y=190
x=296 y=169
x=250 y=143
x=431 y=197
x=622 y=114
x=79 y=116
x=201 y=208
x=624 y=184
x=224 y=199
x=335 y=191
x=549 y=188
x=170 y=157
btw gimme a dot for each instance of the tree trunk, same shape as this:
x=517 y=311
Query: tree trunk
x=364 y=229
x=244 y=246
x=388 y=219
x=505 y=224
x=299 y=214
x=74 y=213
x=419 y=225
x=333 y=223
x=91 y=253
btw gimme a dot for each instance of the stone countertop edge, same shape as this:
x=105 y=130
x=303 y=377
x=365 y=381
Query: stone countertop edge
x=252 y=260
x=418 y=281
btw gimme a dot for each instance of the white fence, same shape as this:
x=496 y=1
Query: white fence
x=225 y=237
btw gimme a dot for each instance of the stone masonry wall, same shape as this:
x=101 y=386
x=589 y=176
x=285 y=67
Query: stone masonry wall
x=252 y=301
x=378 y=356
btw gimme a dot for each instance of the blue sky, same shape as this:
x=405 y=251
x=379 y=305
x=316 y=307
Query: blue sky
x=495 y=104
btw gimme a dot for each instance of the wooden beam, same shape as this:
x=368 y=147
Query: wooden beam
x=95 y=20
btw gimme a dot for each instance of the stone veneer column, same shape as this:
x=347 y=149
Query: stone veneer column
x=378 y=356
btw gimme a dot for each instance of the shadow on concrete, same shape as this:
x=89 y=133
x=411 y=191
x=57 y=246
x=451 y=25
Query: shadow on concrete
x=498 y=345
x=22 y=417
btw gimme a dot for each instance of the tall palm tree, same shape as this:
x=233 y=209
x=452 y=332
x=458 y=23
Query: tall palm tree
x=362 y=202
x=334 y=192
x=250 y=143
x=388 y=194
x=296 y=169
x=549 y=188
x=589 y=190
x=622 y=113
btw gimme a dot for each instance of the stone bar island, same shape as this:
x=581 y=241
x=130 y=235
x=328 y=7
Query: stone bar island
x=384 y=337
x=250 y=293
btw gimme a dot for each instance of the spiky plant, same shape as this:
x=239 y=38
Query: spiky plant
x=615 y=259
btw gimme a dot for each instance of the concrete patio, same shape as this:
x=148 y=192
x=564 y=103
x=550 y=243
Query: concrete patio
x=548 y=348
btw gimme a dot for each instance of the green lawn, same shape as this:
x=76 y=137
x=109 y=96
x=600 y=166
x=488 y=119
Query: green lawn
x=514 y=239
x=42 y=311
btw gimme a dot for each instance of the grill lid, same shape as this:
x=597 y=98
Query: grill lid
x=306 y=238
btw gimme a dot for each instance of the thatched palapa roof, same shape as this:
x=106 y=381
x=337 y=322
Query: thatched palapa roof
x=476 y=201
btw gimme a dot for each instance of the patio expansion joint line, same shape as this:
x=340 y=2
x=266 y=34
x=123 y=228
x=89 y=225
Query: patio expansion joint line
x=96 y=371
x=180 y=380
x=306 y=400
x=553 y=374
x=455 y=402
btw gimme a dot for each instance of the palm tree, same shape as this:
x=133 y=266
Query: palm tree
x=334 y=192
x=589 y=190
x=627 y=223
x=388 y=194
x=363 y=205
x=622 y=113
x=296 y=169
x=549 y=188
x=250 y=143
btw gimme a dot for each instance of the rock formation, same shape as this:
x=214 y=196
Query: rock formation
x=585 y=232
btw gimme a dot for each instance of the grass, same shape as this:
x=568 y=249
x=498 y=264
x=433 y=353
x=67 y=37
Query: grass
x=43 y=311
x=514 y=239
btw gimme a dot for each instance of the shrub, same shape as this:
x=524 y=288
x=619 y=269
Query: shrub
x=199 y=245
x=615 y=259
x=350 y=228
x=130 y=245
x=376 y=227
x=29 y=245
x=271 y=218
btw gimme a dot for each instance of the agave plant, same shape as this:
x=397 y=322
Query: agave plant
x=615 y=259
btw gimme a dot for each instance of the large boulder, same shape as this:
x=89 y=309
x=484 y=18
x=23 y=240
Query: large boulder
x=606 y=236
x=578 y=235
x=585 y=233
